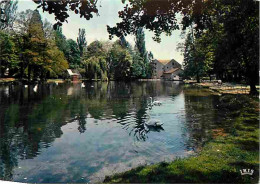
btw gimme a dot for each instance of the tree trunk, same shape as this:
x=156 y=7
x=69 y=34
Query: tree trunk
x=29 y=73
x=0 y=69
x=253 y=90
x=198 y=78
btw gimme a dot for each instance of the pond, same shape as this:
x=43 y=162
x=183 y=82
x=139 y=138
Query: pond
x=65 y=133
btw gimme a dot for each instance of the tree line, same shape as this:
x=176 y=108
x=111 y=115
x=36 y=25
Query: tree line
x=31 y=49
x=225 y=44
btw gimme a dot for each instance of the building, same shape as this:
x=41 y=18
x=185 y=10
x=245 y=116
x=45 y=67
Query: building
x=166 y=69
x=173 y=74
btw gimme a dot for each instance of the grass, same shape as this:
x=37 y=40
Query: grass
x=220 y=160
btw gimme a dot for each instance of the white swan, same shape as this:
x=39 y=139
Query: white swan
x=156 y=103
x=26 y=86
x=83 y=85
x=35 y=88
x=153 y=122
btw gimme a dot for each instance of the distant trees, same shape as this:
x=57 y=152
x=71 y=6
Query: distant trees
x=29 y=51
x=234 y=54
x=33 y=50
x=114 y=61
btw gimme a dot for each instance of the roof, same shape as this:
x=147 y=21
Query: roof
x=71 y=73
x=164 y=62
x=172 y=70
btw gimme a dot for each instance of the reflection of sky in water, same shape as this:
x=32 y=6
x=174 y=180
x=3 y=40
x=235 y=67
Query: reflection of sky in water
x=100 y=130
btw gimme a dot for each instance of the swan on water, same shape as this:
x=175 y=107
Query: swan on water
x=35 y=88
x=156 y=103
x=83 y=85
x=153 y=122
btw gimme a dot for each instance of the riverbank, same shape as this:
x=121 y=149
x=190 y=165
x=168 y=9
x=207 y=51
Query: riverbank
x=223 y=88
x=6 y=80
x=220 y=160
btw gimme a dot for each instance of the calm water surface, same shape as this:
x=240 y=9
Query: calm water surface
x=65 y=133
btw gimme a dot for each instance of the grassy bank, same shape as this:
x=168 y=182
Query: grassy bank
x=220 y=160
x=223 y=88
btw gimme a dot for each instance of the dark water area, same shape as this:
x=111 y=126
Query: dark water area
x=65 y=133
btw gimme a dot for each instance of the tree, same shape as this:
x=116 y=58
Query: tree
x=239 y=18
x=8 y=14
x=61 y=41
x=81 y=40
x=140 y=43
x=73 y=56
x=8 y=57
x=49 y=33
x=22 y=39
x=137 y=68
x=235 y=25
x=141 y=49
x=124 y=43
x=95 y=49
x=95 y=61
x=198 y=55
x=38 y=46
x=121 y=62
x=56 y=63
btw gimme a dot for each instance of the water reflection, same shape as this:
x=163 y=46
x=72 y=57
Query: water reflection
x=99 y=126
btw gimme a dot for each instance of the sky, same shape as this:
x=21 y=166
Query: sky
x=108 y=15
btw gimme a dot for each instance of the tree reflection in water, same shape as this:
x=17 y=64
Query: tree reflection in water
x=31 y=121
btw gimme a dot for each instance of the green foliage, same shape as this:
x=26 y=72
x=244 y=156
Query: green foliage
x=8 y=56
x=225 y=42
x=95 y=68
x=31 y=51
x=198 y=56
x=95 y=49
x=73 y=55
x=121 y=61
x=61 y=41
x=138 y=66
x=140 y=43
x=81 y=40
x=95 y=62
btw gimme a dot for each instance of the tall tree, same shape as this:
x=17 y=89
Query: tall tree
x=22 y=39
x=124 y=43
x=61 y=41
x=73 y=54
x=141 y=49
x=81 y=40
x=38 y=46
x=140 y=43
